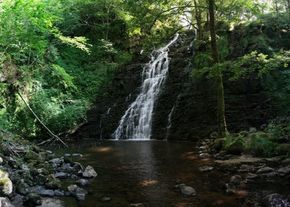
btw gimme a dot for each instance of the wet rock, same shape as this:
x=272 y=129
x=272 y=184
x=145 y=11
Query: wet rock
x=22 y=187
x=137 y=205
x=17 y=200
x=251 y=176
x=61 y=175
x=5 y=202
x=187 y=190
x=206 y=168
x=40 y=190
x=286 y=161
x=77 y=155
x=77 y=166
x=204 y=155
x=32 y=199
x=269 y=175
x=59 y=193
x=236 y=180
x=89 y=172
x=46 y=192
x=275 y=200
x=284 y=171
x=234 y=184
x=246 y=168
x=56 y=162
x=42 y=171
x=78 y=192
x=82 y=182
x=66 y=167
x=51 y=202
x=74 y=177
x=274 y=159
x=52 y=183
x=106 y=199
x=265 y=170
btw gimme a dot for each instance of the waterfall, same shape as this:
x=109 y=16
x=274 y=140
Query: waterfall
x=136 y=123
x=169 y=123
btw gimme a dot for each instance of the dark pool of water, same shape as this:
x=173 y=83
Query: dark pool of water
x=147 y=172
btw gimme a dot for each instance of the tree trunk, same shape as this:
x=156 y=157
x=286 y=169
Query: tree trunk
x=198 y=19
x=288 y=7
x=222 y=127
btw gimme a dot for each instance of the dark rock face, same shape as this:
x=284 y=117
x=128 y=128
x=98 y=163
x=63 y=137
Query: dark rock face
x=104 y=117
x=191 y=101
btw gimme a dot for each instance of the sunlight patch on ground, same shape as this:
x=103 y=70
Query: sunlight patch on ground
x=146 y=183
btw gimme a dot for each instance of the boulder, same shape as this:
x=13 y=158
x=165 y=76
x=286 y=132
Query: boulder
x=5 y=202
x=82 y=182
x=89 y=172
x=235 y=148
x=275 y=200
x=106 y=199
x=78 y=192
x=284 y=171
x=56 y=162
x=6 y=185
x=187 y=190
x=51 y=202
x=32 y=199
x=41 y=190
x=265 y=170
x=61 y=175
x=236 y=180
x=206 y=168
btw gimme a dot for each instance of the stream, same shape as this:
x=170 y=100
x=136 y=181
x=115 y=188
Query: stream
x=131 y=172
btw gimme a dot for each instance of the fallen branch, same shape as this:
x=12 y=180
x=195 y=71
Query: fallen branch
x=39 y=120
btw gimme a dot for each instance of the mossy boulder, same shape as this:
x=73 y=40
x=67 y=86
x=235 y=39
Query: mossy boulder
x=234 y=145
x=217 y=145
x=235 y=148
x=6 y=185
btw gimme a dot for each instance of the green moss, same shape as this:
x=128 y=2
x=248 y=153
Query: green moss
x=5 y=183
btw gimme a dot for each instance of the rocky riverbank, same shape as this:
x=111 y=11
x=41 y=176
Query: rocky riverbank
x=31 y=176
x=260 y=181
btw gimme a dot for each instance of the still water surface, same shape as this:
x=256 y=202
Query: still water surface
x=131 y=172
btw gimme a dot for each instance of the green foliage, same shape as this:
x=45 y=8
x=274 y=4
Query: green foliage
x=260 y=144
x=257 y=143
x=49 y=57
x=279 y=128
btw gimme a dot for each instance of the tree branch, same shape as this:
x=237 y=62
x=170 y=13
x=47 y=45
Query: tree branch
x=41 y=122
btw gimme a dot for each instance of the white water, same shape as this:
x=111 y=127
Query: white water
x=136 y=123
x=169 y=123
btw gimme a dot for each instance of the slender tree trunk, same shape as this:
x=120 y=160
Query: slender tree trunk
x=276 y=7
x=198 y=19
x=288 y=7
x=222 y=127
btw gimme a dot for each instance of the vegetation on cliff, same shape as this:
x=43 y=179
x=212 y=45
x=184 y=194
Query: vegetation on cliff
x=57 y=56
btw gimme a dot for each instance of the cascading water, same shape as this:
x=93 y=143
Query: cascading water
x=169 y=123
x=137 y=120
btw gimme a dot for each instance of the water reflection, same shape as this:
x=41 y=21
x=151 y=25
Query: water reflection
x=147 y=172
